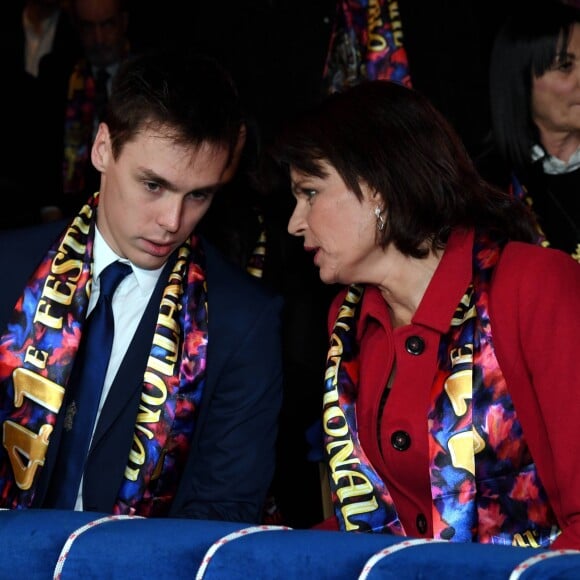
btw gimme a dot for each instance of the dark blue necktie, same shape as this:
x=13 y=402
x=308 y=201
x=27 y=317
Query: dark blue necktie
x=84 y=392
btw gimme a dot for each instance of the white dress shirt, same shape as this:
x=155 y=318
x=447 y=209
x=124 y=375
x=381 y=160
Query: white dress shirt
x=554 y=166
x=129 y=303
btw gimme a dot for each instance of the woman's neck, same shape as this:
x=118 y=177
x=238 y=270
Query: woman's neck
x=561 y=145
x=404 y=287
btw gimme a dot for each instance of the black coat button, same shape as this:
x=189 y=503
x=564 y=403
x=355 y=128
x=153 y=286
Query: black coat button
x=421 y=523
x=415 y=345
x=401 y=440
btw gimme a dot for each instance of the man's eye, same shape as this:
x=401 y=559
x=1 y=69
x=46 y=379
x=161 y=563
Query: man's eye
x=200 y=195
x=152 y=186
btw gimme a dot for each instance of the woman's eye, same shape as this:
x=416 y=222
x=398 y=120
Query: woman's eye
x=304 y=192
x=563 y=65
x=308 y=194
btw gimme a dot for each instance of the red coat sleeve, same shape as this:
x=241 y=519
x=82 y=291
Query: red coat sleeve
x=535 y=316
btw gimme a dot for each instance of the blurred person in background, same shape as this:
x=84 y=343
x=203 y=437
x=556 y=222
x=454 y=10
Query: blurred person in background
x=534 y=151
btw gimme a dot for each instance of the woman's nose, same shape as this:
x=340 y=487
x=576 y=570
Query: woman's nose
x=297 y=221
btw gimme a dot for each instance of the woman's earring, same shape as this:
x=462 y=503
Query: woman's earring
x=380 y=219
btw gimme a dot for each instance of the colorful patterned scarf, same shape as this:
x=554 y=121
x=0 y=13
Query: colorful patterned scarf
x=37 y=352
x=360 y=497
x=255 y=266
x=366 y=43
x=78 y=127
x=520 y=191
x=484 y=485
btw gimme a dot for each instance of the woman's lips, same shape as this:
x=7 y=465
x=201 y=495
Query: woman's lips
x=313 y=251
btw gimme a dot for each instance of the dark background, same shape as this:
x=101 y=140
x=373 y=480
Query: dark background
x=276 y=50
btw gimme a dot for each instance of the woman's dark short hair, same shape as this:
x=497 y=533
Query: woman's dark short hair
x=392 y=139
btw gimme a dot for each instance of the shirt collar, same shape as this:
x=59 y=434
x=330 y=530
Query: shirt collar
x=552 y=165
x=110 y=68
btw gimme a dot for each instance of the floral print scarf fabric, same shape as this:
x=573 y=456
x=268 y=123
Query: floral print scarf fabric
x=366 y=43
x=78 y=127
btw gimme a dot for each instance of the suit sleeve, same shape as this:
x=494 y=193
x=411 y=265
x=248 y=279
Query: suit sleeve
x=232 y=459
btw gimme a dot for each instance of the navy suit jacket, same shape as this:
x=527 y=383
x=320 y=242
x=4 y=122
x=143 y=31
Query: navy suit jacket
x=232 y=455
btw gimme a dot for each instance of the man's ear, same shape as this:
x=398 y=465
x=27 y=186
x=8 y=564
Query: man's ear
x=101 y=150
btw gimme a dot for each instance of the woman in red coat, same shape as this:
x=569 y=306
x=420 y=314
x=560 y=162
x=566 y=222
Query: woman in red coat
x=451 y=399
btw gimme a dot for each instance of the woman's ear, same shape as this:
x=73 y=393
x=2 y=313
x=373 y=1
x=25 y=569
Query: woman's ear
x=101 y=150
x=373 y=197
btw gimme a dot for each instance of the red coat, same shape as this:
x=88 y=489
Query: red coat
x=535 y=315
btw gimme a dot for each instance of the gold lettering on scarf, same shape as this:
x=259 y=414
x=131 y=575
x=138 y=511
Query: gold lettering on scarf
x=158 y=397
x=44 y=316
x=169 y=308
x=377 y=41
x=55 y=291
x=80 y=223
x=526 y=540
x=397 y=27
x=36 y=357
x=70 y=243
x=459 y=389
x=461 y=451
x=461 y=314
x=137 y=455
x=329 y=415
x=36 y=388
x=159 y=370
x=170 y=346
x=23 y=443
x=25 y=448
x=340 y=450
x=146 y=415
x=358 y=485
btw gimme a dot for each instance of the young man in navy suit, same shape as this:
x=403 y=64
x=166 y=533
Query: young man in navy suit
x=187 y=418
